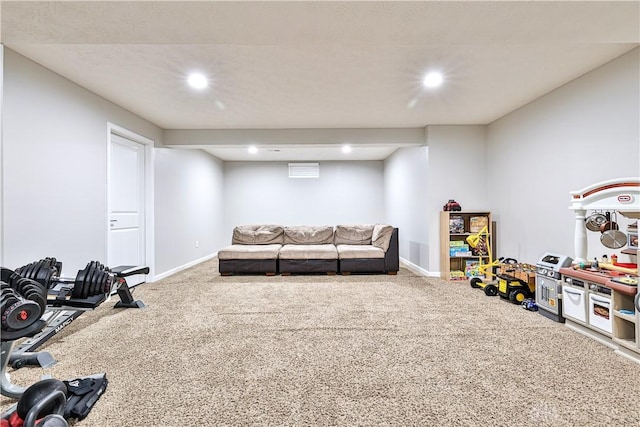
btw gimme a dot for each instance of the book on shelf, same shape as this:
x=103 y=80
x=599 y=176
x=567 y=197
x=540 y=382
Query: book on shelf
x=456 y=225
x=459 y=250
x=457 y=275
x=477 y=223
x=462 y=254
x=472 y=268
x=461 y=247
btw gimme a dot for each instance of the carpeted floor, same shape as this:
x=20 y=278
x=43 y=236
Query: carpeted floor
x=337 y=351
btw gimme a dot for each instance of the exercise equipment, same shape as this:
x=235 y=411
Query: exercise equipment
x=49 y=402
x=94 y=279
x=21 y=309
x=65 y=299
x=36 y=393
x=82 y=394
x=17 y=311
x=41 y=405
x=90 y=286
x=56 y=401
x=68 y=298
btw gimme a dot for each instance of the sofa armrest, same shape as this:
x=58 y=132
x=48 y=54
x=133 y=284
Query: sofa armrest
x=392 y=256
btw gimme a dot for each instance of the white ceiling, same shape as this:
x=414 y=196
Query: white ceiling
x=320 y=64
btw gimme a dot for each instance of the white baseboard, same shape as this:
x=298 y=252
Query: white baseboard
x=417 y=269
x=182 y=267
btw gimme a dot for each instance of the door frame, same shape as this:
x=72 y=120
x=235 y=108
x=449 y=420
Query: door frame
x=149 y=213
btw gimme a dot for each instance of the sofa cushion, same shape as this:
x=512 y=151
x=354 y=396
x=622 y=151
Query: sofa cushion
x=266 y=234
x=249 y=252
x=381 y=236
x=308 y=235
x=359 y=251
x=353 y=234
x=327 y=251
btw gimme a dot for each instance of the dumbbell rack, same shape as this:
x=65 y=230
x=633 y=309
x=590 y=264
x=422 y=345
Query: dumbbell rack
x=63 y=307
x=58 y=316
x=8 y=343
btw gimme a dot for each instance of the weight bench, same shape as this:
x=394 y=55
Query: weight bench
x=63 y=308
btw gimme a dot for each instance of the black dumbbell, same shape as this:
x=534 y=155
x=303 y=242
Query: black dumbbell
x=44 y=271
x=16 y=311
x=94 y=279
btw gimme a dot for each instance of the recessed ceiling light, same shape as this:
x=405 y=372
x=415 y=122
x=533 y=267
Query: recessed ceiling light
x=252 y=150
x=197 y=81
x=346 y=149
x=432 y=79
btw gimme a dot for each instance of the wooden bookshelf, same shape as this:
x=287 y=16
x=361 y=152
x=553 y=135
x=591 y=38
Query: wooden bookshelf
x=455 y=227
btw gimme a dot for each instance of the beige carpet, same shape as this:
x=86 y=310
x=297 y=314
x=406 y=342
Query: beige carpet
x=340 y=351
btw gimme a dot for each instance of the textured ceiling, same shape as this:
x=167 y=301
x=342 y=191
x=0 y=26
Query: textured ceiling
x=321 y=64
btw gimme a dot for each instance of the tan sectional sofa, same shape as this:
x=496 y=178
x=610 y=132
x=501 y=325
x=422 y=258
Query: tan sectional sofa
x=308 y=249
x=345 y=249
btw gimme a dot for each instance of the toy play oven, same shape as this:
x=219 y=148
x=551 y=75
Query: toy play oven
x=549 y=285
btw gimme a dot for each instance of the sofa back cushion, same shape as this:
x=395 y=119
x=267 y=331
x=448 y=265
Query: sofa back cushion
x=353 y=234
x=381 y=236
x=265 y=234
x=308 y=234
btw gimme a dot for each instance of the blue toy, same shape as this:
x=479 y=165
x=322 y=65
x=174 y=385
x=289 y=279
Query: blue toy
x=530 y=304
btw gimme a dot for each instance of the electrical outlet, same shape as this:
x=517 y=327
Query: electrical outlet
x=197 y=244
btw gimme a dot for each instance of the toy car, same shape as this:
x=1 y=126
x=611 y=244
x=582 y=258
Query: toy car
x=514 y=289
x=452 y=205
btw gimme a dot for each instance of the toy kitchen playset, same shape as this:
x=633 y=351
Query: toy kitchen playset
x=600 y=296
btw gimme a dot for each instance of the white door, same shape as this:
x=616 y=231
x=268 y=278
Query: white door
x=126 y=203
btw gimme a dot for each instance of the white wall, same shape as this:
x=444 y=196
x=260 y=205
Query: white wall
x=406 y=203
x=262 y=192
x=54 y=166
x=189 y=207
x=419 y=181
x=457 y=170
x=582 y=133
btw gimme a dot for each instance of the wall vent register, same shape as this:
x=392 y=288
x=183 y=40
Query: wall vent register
x=304 y=170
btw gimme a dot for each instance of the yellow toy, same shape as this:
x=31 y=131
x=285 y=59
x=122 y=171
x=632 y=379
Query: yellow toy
x=480 y=242
x=507 y=286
